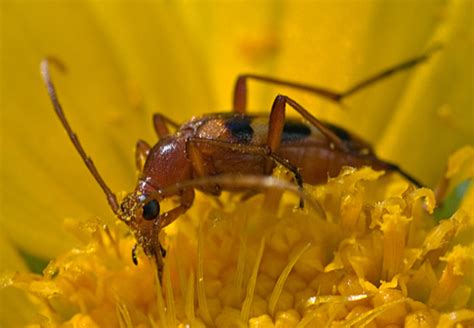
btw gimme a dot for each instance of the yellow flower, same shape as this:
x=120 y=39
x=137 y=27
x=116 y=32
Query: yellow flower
x=375 y=257
x=126 y=61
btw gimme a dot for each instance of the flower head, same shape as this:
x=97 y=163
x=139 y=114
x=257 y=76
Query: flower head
x=377 y=257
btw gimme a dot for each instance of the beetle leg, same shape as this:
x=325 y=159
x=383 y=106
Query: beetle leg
x=264 y=151
x=142 y=148
x=277 y=122
x=335 y=141
x=240 y=90
x=158 y=251
x=134 y=254
x=160 y=123
x=394 y=167
x=199 y=166
x=187 y=198
x=244 y=181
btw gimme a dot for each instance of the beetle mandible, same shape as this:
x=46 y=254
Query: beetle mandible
x=231 y=143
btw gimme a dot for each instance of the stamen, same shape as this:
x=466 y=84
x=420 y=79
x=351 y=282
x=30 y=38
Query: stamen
x=245 y=313
x=179 y=268
x=123 y=316
x=451 y=319
x=458 y=261
x=316 y=300
x=160 y=303
x=189 y=301
x=239 y=272
x=365 y=318
x=170 y=310
x=394 y=229
x=201 y=291
x=350 y=209
x=282 y=279
x=152 y=321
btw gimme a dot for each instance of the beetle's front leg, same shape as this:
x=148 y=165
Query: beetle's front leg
x=260 y=150
x=142 y=148
x=187 y=198
x=158 y=251
x=264 y=151
x=161 y=123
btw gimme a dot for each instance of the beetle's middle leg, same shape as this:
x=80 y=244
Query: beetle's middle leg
x=199 y=166
x=264 y=151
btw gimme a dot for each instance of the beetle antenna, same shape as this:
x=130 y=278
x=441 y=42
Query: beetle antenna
x=111 y=198
x=405 y=175
x=245 y=181
x=390 y=71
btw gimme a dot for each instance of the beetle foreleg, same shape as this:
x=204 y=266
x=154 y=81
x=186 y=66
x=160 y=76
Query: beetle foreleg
x=187 y=198
x=142 y=148
x=160 y=123
x=158 y=251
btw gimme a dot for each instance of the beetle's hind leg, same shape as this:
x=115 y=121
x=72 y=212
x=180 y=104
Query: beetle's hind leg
x=277 y=123
x=240 y=89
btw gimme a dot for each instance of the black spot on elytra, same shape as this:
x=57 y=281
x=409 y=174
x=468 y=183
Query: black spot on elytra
x=239 y=127
x=293 y=131
x=340 y=132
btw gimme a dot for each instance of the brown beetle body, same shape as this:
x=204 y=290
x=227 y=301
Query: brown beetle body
x=235 y=144
x=302 y=145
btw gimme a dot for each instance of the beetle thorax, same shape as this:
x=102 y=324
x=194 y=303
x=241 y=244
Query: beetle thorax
x=166 y=165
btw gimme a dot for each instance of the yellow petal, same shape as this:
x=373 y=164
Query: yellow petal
x=42 y=179
x=435 y=114
x=15 y=308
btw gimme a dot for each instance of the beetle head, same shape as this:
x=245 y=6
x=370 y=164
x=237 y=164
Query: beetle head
x=137 y=207
x=142 y=215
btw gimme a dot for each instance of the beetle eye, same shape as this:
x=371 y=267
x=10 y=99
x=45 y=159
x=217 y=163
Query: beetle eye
x=151 y=210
